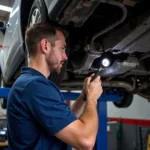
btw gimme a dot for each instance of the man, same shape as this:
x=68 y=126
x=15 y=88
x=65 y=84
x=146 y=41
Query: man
x=38 y=117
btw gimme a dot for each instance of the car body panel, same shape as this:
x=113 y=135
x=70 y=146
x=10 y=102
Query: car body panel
x=12 y=43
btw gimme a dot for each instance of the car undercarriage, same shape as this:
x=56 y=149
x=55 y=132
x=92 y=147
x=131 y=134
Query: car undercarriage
x=118 y=31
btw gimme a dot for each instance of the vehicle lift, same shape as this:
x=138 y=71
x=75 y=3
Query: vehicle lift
x=101 y=141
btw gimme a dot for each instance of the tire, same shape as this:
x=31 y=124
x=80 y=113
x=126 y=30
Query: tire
x=39 y=6
x=125 y=102
x=38 y=12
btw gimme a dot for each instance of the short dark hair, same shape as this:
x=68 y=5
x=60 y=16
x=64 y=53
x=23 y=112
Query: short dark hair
x=36 y=33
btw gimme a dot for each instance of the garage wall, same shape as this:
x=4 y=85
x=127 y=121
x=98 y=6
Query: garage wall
x=135 y=121
x=139 y=109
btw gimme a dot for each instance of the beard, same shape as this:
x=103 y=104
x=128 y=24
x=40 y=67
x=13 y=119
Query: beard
x=54 y=64
x=58 y=68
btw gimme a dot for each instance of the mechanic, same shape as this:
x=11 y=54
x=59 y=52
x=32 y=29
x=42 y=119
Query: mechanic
x=38 y=117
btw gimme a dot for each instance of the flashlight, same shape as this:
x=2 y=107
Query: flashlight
x=105 y=62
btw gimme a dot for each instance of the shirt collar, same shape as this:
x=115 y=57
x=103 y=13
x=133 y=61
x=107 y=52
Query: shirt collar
x=31 y=71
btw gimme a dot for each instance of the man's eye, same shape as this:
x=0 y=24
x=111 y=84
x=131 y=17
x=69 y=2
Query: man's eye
x=63 y=48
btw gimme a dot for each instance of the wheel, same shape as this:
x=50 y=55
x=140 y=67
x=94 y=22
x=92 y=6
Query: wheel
x=125 y=101
x=37 y=14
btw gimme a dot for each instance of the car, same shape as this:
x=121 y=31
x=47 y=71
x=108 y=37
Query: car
x=110 y=35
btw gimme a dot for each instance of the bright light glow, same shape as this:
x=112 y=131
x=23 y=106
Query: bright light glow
x=2 y=132
x=5 y=8
x=106 y=62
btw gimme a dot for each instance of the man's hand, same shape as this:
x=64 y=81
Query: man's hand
x=92 y=89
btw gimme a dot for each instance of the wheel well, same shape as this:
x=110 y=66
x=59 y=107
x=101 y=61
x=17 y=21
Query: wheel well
x=24 y=14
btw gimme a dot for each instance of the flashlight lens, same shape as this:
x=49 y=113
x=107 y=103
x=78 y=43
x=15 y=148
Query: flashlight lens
x=106 y=62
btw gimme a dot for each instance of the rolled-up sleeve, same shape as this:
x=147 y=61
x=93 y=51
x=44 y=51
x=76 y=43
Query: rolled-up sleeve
x=46 y=105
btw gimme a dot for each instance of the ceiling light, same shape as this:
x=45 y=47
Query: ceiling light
x=5 y=8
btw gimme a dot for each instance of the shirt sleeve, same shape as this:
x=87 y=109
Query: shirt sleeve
x=46 y=105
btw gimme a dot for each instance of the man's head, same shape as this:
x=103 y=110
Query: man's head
x=47 y=42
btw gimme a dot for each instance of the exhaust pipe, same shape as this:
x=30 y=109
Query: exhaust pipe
x=108 y=84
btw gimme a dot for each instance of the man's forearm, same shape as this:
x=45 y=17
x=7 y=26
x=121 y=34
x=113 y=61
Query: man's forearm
x=78 y=106
x=90 y=119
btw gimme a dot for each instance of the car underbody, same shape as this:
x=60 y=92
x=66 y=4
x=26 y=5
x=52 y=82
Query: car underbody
x=118 y=31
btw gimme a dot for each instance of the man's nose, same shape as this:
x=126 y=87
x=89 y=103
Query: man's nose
x=65 y=57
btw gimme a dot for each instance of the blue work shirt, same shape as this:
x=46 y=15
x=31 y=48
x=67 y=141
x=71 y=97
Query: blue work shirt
x=36 y=111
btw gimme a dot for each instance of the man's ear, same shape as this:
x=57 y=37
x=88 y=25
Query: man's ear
x=45 y=45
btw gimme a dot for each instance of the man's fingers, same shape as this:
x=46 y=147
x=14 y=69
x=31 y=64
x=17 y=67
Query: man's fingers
x=92 y=75
x=85 y=80
x=89 y=79
x=97 y=78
